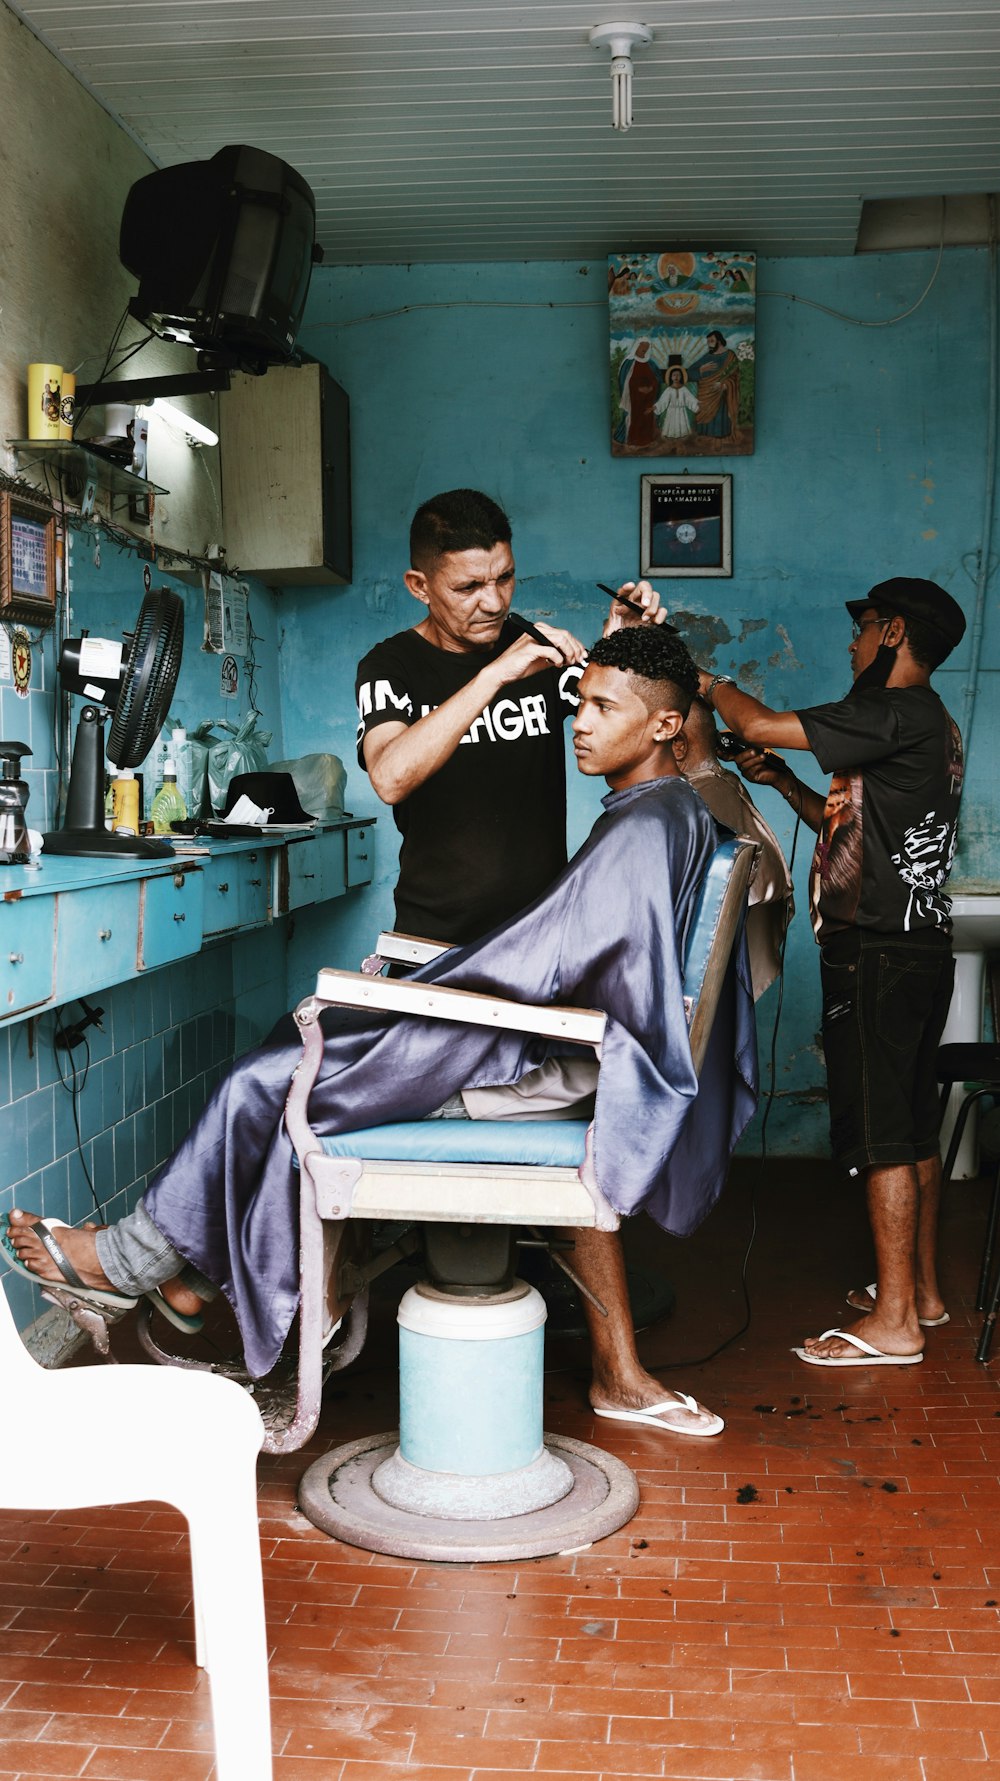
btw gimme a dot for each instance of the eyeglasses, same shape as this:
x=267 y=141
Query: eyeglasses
x=861 y=624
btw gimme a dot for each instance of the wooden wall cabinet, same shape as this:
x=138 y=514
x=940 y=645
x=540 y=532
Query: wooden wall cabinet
x=286 y=475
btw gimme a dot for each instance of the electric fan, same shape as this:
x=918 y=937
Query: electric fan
x=135 y=690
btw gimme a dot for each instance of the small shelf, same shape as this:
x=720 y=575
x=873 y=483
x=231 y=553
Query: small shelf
x=80 y=463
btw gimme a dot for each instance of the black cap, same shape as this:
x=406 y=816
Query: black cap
x=922 y=600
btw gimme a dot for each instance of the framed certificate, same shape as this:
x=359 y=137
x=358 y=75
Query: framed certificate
x=27 y=559
x=686 y=525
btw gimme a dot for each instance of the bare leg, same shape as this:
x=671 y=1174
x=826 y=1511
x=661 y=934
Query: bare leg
x=894 y=1201
x=79 y=1247
x=929 y=1300
x=620 y=1381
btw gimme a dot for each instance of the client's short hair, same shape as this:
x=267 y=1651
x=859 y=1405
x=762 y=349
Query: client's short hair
x=656 y=660
x=459 y=519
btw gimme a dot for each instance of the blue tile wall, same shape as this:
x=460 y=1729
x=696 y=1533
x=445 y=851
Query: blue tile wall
x=165 y=1042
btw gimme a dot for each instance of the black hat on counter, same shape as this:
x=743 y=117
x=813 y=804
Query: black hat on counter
x=273 y=791
x=921 y=600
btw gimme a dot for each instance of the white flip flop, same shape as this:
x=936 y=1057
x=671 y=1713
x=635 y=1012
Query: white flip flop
x=650 y=1417
x=866 y=1357
x=927 y=1323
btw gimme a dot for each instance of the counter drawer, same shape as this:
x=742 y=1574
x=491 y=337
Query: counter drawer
x=360 y=850
x=236 y=892
x=173 y=914
x=311 y=870
x=27 y=953
x=97 y=938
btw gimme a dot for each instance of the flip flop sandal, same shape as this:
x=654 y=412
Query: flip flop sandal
x=867 y=1355
x=649 y=1417
x=91 y=1295
x=927 y=1323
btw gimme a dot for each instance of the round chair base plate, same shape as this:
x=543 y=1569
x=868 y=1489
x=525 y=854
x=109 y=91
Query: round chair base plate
x=336 y=1495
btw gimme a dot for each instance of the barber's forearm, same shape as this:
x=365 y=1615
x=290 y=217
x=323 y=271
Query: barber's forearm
x=753 y=720
x=804 y=801
x=402 y=765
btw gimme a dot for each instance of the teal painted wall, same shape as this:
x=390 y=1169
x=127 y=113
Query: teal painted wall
x=869 y=462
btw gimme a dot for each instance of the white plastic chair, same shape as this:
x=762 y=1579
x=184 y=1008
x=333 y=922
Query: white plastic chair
x=127 y=1434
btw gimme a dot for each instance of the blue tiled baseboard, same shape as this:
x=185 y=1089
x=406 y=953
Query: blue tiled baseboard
x=165 y=1042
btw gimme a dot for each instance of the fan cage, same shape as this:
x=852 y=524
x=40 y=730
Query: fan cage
x=150 y=677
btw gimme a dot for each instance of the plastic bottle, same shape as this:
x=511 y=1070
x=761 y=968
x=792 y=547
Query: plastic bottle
x=125 y=801
x=181 y=757
x=168 y=805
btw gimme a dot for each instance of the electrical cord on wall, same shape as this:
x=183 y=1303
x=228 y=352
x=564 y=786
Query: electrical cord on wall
x=67 y=1038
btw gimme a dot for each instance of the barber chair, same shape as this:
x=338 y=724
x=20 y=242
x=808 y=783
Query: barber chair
x=469 y=1475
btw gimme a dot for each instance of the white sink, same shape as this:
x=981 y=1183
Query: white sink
x=976 y=919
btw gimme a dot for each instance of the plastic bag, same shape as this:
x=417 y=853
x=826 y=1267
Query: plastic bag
x=320 y=780
x=244 y=750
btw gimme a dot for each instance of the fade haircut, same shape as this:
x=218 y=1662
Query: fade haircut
x=656 y=660
x=460 y=519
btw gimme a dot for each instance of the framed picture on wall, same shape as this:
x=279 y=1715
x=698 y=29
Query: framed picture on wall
x=27 y=559
x=686 y=525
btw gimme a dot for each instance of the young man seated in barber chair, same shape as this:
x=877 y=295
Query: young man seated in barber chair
x=608 y=934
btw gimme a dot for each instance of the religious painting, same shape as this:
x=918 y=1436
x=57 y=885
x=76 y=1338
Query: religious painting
x=682 y=354
x=686 y=525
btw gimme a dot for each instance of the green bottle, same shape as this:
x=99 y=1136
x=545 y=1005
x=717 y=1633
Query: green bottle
x=168 y=805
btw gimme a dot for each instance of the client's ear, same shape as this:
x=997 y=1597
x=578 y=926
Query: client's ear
x=681 y=747
x=416 y=581
x=667 y=727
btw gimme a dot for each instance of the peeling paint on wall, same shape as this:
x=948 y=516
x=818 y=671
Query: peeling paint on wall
x=750 y=678
x=750 y=625
x=786 y=656
x=702 y=634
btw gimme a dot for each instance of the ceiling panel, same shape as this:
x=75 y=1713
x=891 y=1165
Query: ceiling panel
x=477 y=130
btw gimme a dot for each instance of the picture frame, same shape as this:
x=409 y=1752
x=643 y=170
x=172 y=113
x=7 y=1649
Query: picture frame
x=686 y=525
x=27 y=559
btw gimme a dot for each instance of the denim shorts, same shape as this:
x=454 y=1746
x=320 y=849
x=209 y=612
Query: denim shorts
x=885 y=1003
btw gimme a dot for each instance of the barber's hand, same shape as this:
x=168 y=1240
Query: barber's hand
x=762 y=767
x=640 y=594
x=526 y=656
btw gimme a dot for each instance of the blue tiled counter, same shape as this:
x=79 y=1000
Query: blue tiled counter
x=178 y=1001
x=71 y=926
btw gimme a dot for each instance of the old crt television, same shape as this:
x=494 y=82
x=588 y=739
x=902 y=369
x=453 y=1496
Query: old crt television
x=223 y=251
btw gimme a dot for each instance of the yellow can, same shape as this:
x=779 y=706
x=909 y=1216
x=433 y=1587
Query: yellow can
x=67 y=405
x=44 y=397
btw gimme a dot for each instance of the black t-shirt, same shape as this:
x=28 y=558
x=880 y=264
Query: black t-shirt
x=887 y=838
x=486 y=834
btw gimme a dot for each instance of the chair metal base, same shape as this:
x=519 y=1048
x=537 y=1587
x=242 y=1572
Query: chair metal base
x=337 y=1496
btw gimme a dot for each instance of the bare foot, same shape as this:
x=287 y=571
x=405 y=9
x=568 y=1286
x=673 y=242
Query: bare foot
x=78 y=1245
x=181 y=1298
x=887 y=1338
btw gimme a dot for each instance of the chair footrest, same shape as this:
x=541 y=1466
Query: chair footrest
x=452 y=1193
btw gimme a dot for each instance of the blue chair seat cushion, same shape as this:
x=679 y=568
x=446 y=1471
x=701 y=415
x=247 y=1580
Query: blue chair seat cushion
x=555 y=1143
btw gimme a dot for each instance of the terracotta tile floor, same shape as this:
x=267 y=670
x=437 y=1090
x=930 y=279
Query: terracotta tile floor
x=811 y=1597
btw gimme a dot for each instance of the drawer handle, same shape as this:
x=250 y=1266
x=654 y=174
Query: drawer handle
x=16 y=958
x=308 y=874
x=104 y=934
x=223 y=888
x=361 y=856
x=257 y=881
x=180 y=917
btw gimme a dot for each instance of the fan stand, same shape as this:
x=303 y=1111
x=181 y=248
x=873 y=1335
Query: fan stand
x=84 y=832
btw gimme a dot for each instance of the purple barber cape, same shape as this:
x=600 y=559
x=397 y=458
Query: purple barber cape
x=610 y=934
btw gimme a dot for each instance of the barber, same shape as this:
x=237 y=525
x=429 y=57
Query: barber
x=460 y=726
x=886 y=837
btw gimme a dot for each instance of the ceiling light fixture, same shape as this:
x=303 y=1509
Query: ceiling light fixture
x=621 y=40
x=193 y=430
